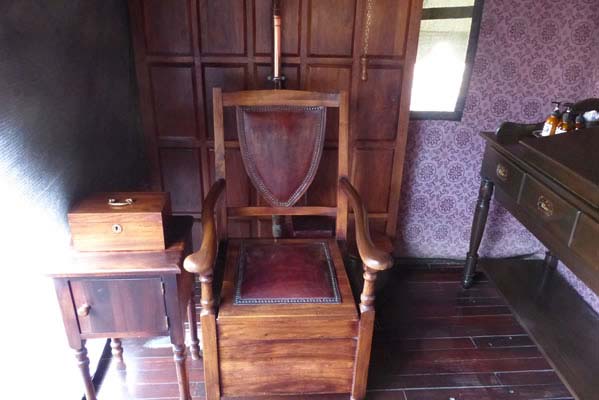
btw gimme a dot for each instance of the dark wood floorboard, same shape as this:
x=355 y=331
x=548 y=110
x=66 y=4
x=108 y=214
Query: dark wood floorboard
x=557 y=317
x=433 y=341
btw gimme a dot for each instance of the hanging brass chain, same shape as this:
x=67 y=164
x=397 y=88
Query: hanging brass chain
x=367 y=26
x=366 y=40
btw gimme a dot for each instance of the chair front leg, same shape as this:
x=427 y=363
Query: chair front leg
x=365 y=332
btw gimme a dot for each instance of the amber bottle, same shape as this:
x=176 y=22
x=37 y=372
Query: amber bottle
x=552 y=121
x=567 y=124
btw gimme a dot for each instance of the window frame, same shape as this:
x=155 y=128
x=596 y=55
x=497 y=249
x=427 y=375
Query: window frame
x=474 y=12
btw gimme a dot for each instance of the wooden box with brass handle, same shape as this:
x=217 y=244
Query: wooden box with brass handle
x=120 y=221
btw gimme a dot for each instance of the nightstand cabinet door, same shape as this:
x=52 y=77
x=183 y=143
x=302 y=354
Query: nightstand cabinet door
x=110 y=306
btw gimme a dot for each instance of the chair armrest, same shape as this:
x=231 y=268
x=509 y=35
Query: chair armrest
x=202 y=261
x=371 y=256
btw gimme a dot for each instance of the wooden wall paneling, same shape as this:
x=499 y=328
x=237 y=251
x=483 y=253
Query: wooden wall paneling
x=290 y=27
x=230 y=78
x=174 y=102
x=197 y=231
x=181 y=177
x=330 y=78
x=413 y=31
x=323 y=191
x=361 y=6
x=145 y=94
x=223 y=27
x=378 y=104
x=159 y=18
x=371 y=175
x=331 y=27
x=388 y=39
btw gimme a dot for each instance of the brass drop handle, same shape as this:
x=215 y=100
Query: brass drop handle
x=545 y=206
x=83 y=311
x=502 y=172
x=115 y=203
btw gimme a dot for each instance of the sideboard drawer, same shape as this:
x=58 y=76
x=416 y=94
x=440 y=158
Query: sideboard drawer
x=119 y=305
x=502 y=172
x=585 y=241
x=554 y=213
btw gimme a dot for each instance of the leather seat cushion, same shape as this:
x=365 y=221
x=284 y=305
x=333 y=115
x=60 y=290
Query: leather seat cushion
x=271 y=273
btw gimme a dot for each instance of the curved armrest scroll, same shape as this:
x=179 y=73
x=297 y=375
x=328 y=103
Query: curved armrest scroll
x=371 y=256
x=202 y=261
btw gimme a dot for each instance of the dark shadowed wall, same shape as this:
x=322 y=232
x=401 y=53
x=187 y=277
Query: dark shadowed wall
x=68 y=125
x=529 y=53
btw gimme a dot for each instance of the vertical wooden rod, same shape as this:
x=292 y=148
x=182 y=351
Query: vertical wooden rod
x=277 y=77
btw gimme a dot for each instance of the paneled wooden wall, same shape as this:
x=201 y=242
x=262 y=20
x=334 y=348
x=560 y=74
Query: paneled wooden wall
x=184 y=48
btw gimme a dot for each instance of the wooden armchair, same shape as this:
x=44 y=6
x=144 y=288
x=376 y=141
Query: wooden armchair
x=285 y=321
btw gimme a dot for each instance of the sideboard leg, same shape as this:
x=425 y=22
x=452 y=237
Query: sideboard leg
x=478 y=228
x=116 y=347
x=83 y=364
x=549 y=266
x=550 y=261
x=194 y=347
x=182 y=378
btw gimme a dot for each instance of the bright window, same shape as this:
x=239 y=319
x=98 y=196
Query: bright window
x=446 y=49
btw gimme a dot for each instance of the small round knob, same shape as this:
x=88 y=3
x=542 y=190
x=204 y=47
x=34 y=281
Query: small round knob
x=83 y=311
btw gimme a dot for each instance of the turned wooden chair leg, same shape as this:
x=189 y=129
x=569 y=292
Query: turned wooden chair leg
x=478 y=228
x=116 y=347
x=194 y=347
x=83 y=364
x=365 y=332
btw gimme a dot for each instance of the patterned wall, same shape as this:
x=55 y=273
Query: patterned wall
x=529 y=53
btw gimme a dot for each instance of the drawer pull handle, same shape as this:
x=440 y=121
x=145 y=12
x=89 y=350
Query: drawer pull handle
x=116 y=228
x=83 y=311
x=115 y=203
x=502 y=172
x=545 y=206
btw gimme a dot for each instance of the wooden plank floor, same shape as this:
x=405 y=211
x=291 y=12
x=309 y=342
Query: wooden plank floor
x=554 y=314
x=433 y=341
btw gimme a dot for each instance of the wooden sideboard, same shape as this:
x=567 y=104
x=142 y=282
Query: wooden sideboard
x=551 y=185
x=120 y=294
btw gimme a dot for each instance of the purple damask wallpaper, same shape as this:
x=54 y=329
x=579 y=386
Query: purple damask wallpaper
x=530 y=52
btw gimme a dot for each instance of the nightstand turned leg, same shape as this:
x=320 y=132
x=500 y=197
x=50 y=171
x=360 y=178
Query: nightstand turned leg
x=117 y=352
x=478 y=228
x=194 y=347
x=83 y=364
x=182 y=378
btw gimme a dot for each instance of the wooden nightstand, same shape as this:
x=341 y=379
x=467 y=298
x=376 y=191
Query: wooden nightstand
x=123 y=294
